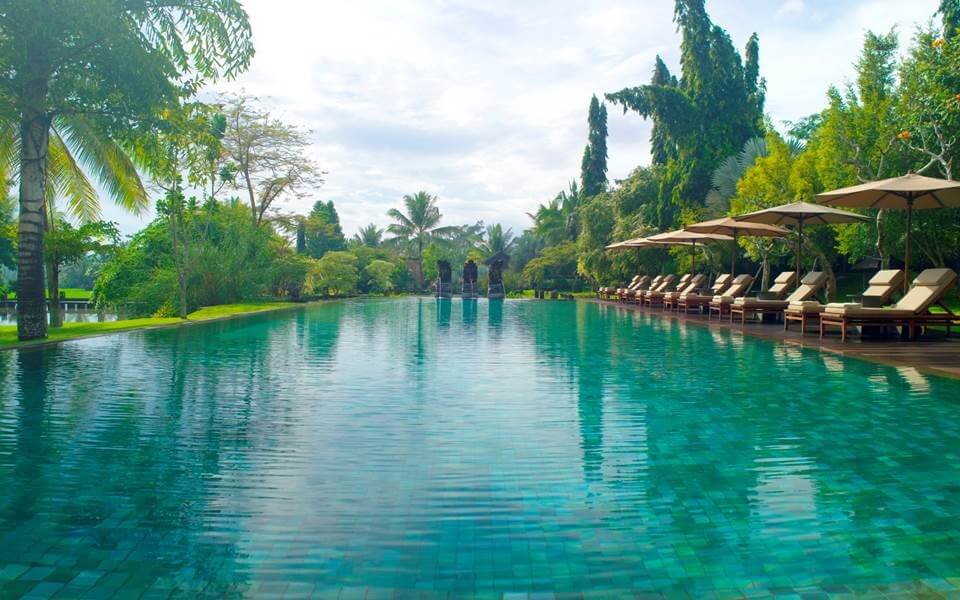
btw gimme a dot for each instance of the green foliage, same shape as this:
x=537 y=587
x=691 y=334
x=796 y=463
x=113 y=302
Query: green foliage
x=555 y=268
x=333 y=275
x=496 y=239
x=66 y=244
x=598 y=218
x=378 y=276
x=593 y=168
x=703 y=117
x=419 y=226
x=369 y=235
x=229 y=260
x=266 y=158
x=321 y=230
x=8 y=237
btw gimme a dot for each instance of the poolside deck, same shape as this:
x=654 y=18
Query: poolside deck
x=937 y=355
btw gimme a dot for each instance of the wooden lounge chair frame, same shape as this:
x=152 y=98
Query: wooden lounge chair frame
x=880 y=287
x=654 y=298
x=810 y=286
x=740 y=286
x=698 y=301
x=908 y=322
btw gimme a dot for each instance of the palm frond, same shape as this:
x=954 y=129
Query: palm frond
x=105 y=159
x=68 y=181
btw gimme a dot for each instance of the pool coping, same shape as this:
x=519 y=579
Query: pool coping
x=888 y=352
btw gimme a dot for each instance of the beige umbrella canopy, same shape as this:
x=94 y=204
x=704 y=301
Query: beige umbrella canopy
x=905 y=192
x=629 y=244
x=798 y=214
x=732 y=227
x=681 y=237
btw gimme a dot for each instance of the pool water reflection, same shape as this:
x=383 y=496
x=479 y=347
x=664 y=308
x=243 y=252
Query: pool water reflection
x=470 y=447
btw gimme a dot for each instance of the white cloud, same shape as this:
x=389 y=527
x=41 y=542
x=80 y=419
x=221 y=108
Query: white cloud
x=485 y=103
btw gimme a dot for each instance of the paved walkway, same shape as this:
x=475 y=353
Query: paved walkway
x=937 y=355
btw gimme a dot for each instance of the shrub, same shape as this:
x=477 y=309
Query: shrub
x=333 y=275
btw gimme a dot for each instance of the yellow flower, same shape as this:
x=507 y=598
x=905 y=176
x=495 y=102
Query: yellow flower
x=939 y=43
x=903 y=135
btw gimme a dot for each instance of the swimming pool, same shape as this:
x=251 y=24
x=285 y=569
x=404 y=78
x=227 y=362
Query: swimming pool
x=410 y=445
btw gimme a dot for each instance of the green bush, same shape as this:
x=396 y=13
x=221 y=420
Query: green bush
x=378 y=276
x=333 y=275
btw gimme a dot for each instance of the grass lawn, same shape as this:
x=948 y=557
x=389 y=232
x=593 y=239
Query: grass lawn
x=8 y=333
x=72 y=294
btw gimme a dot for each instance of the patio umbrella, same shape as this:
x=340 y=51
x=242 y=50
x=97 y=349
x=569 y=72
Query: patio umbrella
x=681 y=237
x=635 y=243
x=732 y=227
x=908 y=192
x=798 y=214
x=629 y=244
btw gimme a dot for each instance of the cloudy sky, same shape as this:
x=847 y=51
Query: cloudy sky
x=484 y=103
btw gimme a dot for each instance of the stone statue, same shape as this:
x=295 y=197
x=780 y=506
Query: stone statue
x=444 y=278
x=470 y=279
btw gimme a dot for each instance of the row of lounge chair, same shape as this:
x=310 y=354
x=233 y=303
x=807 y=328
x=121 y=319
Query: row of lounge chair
x=727 y=297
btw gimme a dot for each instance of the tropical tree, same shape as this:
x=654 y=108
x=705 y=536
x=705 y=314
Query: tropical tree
x=496 y=239
x=369 y=235
x=557 y=220
x=66 y=244
x=266 y=157
x=320 y=232
x=8 y=237
x=117 y=63
x=418 y=226
x=702 y=117
x=593 y=167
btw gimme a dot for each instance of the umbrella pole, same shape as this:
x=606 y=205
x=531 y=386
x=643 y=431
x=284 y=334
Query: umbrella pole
x=733 y=256
x=799 y=276
x=693 y=268
x=906 y=252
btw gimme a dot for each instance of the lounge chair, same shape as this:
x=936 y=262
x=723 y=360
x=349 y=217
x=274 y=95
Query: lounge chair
x=911 y=311
x=809 y=287
x=641 y=283
x=606 y=293
x=722 y=302
x=879 y=290
x=655 y=297
x=666 y=283
x=693 y=284
x=690 y=300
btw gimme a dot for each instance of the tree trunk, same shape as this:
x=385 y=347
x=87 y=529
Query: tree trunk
x=178 y=262
x=53 y=291
x=34 y=137
x=765 y=277
x=831 y=288
x=881 y=240
x=420 y=262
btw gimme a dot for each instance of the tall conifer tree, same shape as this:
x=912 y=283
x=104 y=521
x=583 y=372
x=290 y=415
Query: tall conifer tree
x=593 y=167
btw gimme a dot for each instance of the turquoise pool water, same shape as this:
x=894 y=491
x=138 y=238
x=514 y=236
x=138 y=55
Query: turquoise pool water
x=373 y=448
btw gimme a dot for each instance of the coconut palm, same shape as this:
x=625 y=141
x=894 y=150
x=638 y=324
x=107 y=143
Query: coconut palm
x=418 y=226
x=369 y=235
x=75 y=149
x=497 y=240
x=556 y=221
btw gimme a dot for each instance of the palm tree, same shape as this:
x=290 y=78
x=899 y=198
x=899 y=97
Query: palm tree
x=369 y=235
x=497 y=240
x=75 y=148
x=549 y=222
x=419 y=225
x=556 y=221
